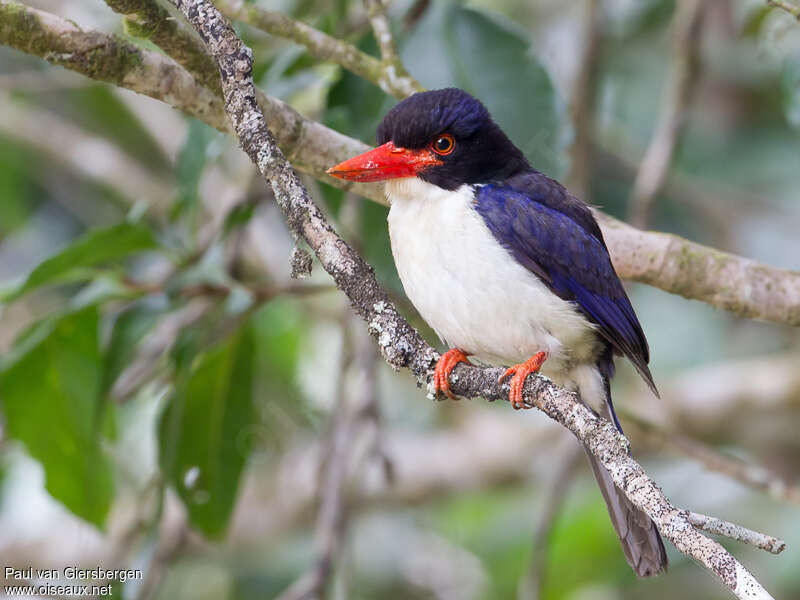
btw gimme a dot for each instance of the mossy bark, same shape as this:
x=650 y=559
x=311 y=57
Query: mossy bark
x=99 y=56
x=147 y=19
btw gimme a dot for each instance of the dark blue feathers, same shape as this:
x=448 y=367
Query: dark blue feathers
x=555 y=236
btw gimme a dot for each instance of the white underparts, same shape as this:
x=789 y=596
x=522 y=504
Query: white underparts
x=475 y=295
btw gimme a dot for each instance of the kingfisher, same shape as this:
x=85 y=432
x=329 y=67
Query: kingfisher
x=507 y=267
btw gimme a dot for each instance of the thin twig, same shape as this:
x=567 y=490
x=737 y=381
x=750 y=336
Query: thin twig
x=788 y=7
x=672 y=117
x=322 y=46
x=401 y=346
x=737 y=532
x=381 y=29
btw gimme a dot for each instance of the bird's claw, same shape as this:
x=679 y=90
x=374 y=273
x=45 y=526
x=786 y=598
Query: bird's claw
x=520 y=373
x=444 y=366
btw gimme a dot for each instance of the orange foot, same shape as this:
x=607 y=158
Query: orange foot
x=441 y=374
x=521 y=372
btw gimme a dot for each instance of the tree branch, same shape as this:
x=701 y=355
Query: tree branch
x=786 y=6
x=658 y=157
x=739 y=285
x=397 y=83
x=381 y=29
x=401 y=345
x=742 y=286
x=147 y=19
x=108 y=58
x=736 y=532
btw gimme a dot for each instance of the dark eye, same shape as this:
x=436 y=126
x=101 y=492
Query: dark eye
x=444 y=144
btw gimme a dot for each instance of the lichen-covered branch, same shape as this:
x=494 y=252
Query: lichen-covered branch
x=109 y=58
x=391 y=79
x=672 y=117
x=739 y=285
x=737 y=532
x=742 y=286
x=401 y=345
x=105 y=57
x=148 y=19
x=786 y=6
x=381 y=29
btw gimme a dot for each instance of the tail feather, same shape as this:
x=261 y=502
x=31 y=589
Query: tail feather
x=637 y=533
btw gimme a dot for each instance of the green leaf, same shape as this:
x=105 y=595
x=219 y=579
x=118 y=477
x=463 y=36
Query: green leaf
x=96 y=247
x=493 y=60
x=191 y=163
x=50 y=401
x=204 y=431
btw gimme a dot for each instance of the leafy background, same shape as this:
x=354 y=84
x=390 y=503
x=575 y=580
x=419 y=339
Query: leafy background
x=164 y=402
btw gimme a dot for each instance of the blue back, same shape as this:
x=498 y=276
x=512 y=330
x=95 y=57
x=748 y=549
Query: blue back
x=555 y=236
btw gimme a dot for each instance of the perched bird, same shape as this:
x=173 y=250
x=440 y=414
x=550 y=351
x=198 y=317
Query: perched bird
x=506 y=266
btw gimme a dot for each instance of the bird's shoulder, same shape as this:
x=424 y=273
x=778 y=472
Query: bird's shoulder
x=547 y=192
x=549 y=230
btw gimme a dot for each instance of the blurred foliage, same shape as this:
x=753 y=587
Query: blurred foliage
x=72 y=263
x=52 y=403
x=203 y=450
x=189 y=299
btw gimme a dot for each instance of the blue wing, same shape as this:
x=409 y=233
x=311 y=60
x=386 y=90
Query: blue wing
x=555 y=235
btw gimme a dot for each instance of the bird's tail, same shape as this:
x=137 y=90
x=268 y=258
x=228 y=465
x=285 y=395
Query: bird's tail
x=637 y=533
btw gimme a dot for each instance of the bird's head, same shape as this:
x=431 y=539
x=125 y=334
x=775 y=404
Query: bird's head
x=445 y=137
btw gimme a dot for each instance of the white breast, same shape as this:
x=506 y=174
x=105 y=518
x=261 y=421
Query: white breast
x=468 y=287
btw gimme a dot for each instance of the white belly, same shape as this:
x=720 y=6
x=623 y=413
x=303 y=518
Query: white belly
x=471 y=291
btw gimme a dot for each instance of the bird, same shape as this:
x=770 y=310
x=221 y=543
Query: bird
x=508 y=268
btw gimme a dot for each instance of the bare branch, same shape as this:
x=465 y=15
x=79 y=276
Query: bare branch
x=402 y=346
x=658 y=157
x=740 y=285
x=395 y=82
x=107 y=58
x=147 y=19
x=786 y=6
x=381 y=28
x=737 y=532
